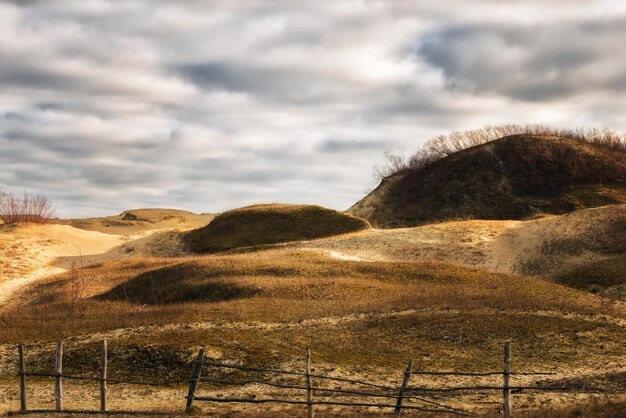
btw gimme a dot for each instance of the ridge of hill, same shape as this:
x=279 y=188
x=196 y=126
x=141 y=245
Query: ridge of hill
x=515 y=177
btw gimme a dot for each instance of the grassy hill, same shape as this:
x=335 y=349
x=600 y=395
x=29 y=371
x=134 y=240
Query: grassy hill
x=515 y=177
x=270 y=224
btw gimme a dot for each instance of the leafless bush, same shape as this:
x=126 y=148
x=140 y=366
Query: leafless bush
x=442 y=146
x=25 y=209
x=76 y=289
x=394 y=163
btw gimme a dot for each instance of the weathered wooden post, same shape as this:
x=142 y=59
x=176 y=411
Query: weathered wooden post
x=103 y=376
x=22 y=367
x=195 y=379
x=506 y=392
x=405 y=383
x=309 y=385
x=58 y=370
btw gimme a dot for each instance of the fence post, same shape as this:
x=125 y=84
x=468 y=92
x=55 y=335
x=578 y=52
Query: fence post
x=22 y=366
x=58 y=370
x=506 y=406
x=195 y=379
x=103 y=376
x=309 y=385
x=405 y=383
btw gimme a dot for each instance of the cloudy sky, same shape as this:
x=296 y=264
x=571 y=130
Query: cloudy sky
x=210 y=105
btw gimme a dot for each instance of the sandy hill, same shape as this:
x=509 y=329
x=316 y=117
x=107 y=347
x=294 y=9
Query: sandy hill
x=29 y=253
x=269 y=224
x=515 y=177
x=141 y=220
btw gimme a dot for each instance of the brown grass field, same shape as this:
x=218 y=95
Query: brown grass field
x=361 y=319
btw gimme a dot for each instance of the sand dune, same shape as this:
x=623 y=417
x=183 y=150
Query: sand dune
x=543 y=247
x=138 y=220
x=28 y=253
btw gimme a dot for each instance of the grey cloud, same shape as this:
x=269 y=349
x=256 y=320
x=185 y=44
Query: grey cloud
x=13 y=116
x=334 y=145
x=534 y=63
x=286 y=84
x=19 y=74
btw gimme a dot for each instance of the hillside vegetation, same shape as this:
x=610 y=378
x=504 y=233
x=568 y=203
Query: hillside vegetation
x=437 y=306
x=515 y=177
x=270 y=224
x=605 y=277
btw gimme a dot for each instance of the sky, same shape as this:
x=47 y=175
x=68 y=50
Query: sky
x=212 y=105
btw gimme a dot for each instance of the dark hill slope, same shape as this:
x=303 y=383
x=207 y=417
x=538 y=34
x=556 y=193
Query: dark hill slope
x=270 y=224
x=515 y=177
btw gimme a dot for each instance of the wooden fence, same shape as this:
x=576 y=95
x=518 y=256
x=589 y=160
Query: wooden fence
x=394 y=399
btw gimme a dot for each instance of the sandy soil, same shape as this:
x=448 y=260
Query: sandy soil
x=172 y=399
x=29 y=253
x=504 y=246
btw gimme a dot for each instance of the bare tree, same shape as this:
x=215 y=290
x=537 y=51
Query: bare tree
x=25 y=209
x=394 y=163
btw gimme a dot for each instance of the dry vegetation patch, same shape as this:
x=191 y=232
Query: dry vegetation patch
x=269 y=224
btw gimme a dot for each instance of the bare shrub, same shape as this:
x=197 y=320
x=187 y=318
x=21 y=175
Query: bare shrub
x=76 y=289
x=25 y=209
x=442 y=146
x=394 y=163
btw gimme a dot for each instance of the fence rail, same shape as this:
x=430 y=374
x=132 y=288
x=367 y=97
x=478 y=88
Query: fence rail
x=405 y=397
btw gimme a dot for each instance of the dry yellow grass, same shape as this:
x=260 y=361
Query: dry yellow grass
x=356 y=312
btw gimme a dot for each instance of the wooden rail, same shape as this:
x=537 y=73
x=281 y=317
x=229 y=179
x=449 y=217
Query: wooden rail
x=405 y=397
x=402 y=394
